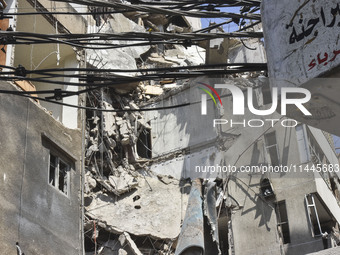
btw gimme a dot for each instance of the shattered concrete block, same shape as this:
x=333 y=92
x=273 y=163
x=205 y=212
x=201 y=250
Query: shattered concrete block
x=132 y=168
x=132 y=118
x=120 y=169
x=132 y=244
x=165 y=247
x=124 y=128
x=153 y=90
x=122 y=239
x=109 y=121
x=161 y=61
x=91 y=182
x=122 y=252
x=167 y=179
x=112 y=143
x=141 y=122
x=143 y=215
x=125 y=141
x=175 y=29
x=123 y=184
x=96 y=120
x=119 y=120
x=133 y=106
x=91 y=149
x=193 y=55
x=177 y=61
x=133 y=138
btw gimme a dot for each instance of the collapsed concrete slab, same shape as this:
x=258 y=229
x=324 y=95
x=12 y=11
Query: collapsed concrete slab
x=154 y=209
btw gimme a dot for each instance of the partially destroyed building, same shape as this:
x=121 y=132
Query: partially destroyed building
x=41 y=155
x=126 y=154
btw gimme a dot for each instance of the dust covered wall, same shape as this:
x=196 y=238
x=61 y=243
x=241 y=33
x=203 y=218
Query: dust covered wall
x=33 y=212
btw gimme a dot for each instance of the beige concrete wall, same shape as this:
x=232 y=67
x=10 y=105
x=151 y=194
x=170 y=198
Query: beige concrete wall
x=34 y=213
x=76 y=24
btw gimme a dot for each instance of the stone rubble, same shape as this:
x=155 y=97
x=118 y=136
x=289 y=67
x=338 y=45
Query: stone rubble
x=129 y=209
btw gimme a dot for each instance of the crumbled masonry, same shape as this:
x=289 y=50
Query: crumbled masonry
x=123 y=197
x=131 y=206
x=134 y=127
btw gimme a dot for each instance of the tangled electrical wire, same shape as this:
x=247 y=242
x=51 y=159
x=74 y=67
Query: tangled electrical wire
x=109 y=77
x=201 y=9
x=86 y=40
x=94 y=79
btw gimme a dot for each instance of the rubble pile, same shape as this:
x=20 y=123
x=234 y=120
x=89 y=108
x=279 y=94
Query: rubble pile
x=122 y=196
x=128 y=209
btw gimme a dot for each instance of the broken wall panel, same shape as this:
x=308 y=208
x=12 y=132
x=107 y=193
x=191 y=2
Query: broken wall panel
x=191 y=239
x=153 y=209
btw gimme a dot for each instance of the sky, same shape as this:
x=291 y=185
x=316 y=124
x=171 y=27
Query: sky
x=336 y=140
x=227 y=28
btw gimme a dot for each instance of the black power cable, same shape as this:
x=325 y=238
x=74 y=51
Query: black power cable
x=163 y=10
x=109 y=80
x=255 y=66
x=11 y=37
x=104 y=110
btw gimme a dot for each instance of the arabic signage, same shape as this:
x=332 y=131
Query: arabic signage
x=302 y=38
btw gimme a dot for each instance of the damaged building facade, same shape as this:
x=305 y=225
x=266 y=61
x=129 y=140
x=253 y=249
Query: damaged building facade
x=142 y=169
x=260 y=211
x=129 y=209
x=151 y=159
x=42 y=155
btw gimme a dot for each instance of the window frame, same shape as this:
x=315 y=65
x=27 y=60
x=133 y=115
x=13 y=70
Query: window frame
x=67 y=158
x=268 y=147
x=59 y=159
x=284 y=235
x=144 y=144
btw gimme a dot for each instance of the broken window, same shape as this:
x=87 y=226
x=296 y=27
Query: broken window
x=319 y=217
x=59 y=173
x=282 y=221
x=272 y=148
x=144 y=144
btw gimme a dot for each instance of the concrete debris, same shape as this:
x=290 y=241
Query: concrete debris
x=191 y=239
x=193 y=55
x=123 y=58
x=179 y=56
x=119 y=24
x=161 y=61
x=114 y=247
x=152 y=90
x=111 y=59
x=141 y=212
x=123 y=183
x=122 y=252
x=91 y=182
x=177 y=29
x=109 y=125
x=128 y=240
x=129 y=204
x=210 y=212
x=167 y=179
